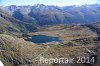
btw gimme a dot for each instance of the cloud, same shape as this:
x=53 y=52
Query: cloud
x=48 y=2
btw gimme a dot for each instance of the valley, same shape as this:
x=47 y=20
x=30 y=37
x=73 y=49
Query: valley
x=30 y=32
x=81 y=43
x=65 y=32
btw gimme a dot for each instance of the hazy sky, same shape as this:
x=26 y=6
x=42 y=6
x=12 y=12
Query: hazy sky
x=48 y=2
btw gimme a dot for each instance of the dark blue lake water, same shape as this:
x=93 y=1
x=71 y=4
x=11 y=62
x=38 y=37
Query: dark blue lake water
x=44 y=39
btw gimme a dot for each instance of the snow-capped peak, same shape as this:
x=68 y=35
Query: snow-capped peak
x=38 y=6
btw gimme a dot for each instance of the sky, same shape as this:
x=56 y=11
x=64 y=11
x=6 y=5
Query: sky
x=49 y=2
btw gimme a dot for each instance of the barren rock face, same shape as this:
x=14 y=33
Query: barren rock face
x=16 y=52
x=74 y=25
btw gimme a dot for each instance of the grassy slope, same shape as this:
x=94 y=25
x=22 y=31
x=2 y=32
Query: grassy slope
x=19 y=52
x=66 y=32
x=8 y=24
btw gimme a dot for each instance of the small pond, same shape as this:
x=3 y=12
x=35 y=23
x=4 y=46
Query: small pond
x=44 y=39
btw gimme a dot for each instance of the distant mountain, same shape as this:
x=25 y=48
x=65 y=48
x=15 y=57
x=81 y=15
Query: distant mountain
x=9 y=24
x=84 y=13
x=28 y=17
x=47 y=15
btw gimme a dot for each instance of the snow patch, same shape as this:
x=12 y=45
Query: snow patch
x=1 y=64
x=38 y=6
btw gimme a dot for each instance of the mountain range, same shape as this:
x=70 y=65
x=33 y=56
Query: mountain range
x=18 y=24
x=27 y=18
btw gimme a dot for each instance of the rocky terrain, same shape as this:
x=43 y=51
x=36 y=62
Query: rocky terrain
x=16 y=51
x=77 y=26
x=28 y=18
x=66 y=32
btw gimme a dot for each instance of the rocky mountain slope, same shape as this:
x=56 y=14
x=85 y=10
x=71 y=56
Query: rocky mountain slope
x=17 y=52
x=23 y=19
x=47 y=15
x=78 y=40
x=9 y=24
